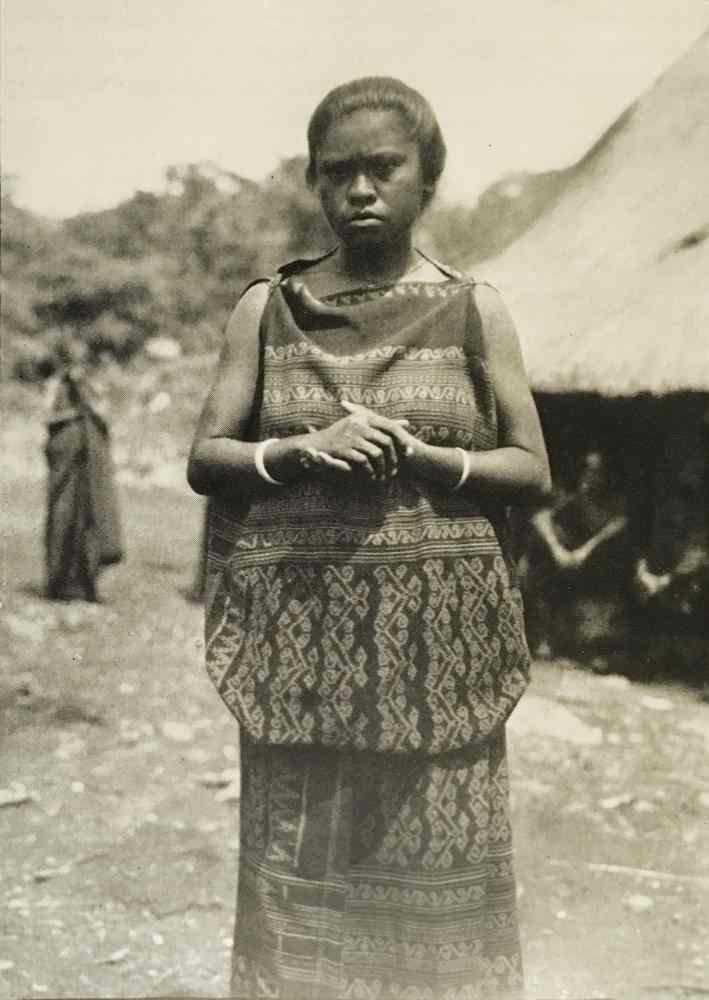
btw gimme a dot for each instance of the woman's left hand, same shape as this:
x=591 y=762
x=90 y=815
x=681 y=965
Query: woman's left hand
x=398 y=430
x=402 y=441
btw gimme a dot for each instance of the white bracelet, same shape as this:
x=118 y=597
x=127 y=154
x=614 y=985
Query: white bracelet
x=465 y=458
x=258 y=462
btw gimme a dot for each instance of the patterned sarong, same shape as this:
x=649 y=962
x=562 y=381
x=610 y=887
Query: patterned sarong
x=375 y=876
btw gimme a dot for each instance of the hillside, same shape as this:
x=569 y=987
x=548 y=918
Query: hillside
x=609 y=286
x=462 y=235
x=172 y=264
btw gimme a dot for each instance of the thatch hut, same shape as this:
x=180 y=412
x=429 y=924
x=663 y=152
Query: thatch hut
x=610 y=291
x=611 y=287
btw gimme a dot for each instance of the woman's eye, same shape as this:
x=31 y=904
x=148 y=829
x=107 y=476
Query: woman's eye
x=344 y=173
x=337 y=174
x=383 y=171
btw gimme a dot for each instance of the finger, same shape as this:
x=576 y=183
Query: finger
x=372 y=414
x=335 y=463
x=400 y=438
x=400 y=432
x=396 y=429
x=408 y=447
x=389 y=450
x=361 y=461
x=314 y=457
x=382 y=456
x=375 y=458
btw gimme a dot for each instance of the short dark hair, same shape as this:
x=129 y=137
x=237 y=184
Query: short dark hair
x=382 y=93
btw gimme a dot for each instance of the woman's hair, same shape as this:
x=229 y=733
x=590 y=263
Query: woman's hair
x=382 y=93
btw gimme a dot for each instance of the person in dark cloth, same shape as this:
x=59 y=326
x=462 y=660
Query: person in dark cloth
x=82 y=530
x=369 y=424
x=577 y=564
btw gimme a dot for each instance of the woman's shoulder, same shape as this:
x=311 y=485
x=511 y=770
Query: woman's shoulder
x=256 y=295
x=487 y=298
x=481 y=290
x=432 y=267
x=257 y=292
x=252 y=300
x=301 y=265
x=495 y=330
x=428 y=269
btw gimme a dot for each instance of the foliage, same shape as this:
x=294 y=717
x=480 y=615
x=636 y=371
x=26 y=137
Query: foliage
x=174 y=263
x=465 y=236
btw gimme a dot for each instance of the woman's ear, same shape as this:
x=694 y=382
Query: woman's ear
x=427 y=195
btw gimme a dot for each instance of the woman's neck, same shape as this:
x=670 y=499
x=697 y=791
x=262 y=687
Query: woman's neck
x=377 y=263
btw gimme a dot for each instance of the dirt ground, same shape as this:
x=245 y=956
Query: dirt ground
x=119 y=786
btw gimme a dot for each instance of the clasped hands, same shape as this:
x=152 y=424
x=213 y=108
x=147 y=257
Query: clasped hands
x=362 y=442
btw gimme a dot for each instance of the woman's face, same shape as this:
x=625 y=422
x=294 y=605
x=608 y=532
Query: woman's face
x=369 y=179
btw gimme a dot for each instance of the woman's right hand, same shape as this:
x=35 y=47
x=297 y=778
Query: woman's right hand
x=362 y=442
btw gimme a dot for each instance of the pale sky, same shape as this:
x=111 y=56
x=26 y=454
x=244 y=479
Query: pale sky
x=101 y=96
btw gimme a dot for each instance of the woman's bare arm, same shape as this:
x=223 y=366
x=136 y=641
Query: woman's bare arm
x=220 y=460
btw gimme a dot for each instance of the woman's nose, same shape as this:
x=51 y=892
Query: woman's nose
x=361 y=188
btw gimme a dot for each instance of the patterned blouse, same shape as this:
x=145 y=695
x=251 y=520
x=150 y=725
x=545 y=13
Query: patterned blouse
x=375 y=616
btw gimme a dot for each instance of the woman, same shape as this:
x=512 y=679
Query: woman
x=577 y=562
x=82 y=530
x=369 y=423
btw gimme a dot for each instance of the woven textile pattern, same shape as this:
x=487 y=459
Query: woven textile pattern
x=376 y=877
x=377 y=617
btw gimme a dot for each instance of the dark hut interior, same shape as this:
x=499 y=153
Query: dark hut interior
x=609 y=291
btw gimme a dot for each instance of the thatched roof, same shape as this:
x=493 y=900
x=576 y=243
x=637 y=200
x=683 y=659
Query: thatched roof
x=610 y=288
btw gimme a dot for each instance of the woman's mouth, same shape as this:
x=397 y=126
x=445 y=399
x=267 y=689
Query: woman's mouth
x=364 y=219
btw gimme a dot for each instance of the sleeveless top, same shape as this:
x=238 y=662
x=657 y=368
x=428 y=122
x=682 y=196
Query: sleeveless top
x=373 y=616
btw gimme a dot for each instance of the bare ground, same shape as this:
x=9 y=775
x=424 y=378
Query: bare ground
x=119 y=851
